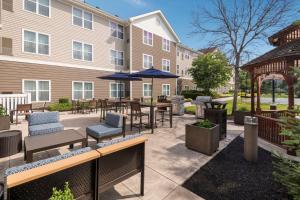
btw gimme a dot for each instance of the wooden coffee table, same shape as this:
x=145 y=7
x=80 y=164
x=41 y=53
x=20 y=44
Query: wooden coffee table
x=34 y=144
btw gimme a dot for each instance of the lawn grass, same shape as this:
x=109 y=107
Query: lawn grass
x=192 y=109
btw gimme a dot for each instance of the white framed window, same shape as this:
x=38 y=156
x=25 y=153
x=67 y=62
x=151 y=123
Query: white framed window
x=177 y=69
x=186 y=87
x=147 y=61
x=82 y=18
x=187 y=55
x=147 y=38
x=36 y=43
x=147 y=88
x=116 y=57
x=40 y=7
x=166 y=45
x=116 y=30
x=82 y=90
x=115 y=89
x=40 y=90
x=166 y=65
x=82 y=51
x=166 y=89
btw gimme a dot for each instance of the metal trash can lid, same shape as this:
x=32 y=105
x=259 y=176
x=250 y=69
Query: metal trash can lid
x=250 y=120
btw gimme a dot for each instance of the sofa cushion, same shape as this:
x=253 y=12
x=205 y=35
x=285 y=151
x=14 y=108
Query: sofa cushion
x=117 y=140
x=43 y=118
x=114 y=120
x=42 y=129
x=102 y=130
x=17 y=169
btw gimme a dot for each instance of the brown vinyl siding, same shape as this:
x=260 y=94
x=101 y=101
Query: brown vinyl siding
x=12 y=74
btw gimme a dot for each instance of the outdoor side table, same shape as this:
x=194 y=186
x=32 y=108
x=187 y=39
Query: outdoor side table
x=10 y=142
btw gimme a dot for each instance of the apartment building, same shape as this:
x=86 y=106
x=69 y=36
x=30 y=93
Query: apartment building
x=58 y=48
x=184 y=59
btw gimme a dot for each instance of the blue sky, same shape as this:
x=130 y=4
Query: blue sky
x=177 y=12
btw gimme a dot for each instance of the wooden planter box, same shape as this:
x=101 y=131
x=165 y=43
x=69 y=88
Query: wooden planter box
x=4 y=123
x=202 y=140
x=239 y=116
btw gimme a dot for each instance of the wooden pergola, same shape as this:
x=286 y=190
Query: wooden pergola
x=281 y=60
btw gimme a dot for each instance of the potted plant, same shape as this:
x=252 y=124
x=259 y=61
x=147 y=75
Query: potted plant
x=202 y=136
x=65 y=194
x=4 y=120
x=240 y=114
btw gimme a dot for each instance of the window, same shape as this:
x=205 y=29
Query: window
x=34 y=42
x=147 y=88
x=116 y=89
x=148 y=61
x=82 y=90
x=166 y=45
x=116 y=30
x=116 y=58
x=186 y=87
x=82 y=51
x=166 y=65
x=177 y=69
x=178 y=53
x=166 y=89
x=40 y=90
x=41 y=7
x=82 y=18
x=148 y=38
x=187 y=55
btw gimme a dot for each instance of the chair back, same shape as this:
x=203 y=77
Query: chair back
x=135 y=106
x=24 y=107
x=93 y=103
x=162 y=99
x=99 y=103
x=43 y=118
x=137 y=99
x=114 y=120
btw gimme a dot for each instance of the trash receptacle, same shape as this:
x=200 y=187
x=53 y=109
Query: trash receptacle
x=200 y=106
x=250 y=138
x=216 y=112
x=178 y=105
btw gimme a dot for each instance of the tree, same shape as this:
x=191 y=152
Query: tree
x=245 y=82
x=210 y=71
x=238 y=26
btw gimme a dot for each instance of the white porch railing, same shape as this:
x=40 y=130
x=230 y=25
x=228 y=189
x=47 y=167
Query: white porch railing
x=10 y=101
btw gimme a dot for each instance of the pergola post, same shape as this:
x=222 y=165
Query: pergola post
x=258 y=109
x=291 y=96
x=252 y=95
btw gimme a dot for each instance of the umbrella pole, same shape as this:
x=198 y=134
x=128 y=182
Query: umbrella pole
x=152 y=92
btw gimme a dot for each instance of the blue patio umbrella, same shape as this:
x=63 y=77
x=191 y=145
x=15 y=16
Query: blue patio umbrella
x=153 y=73
x=120 y=76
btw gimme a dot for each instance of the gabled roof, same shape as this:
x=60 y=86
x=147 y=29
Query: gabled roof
x=286 y=50
x=208 y=50
x=188 y=48
x=157 y=12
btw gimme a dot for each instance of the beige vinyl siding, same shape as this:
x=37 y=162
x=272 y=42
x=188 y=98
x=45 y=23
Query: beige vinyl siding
x=59 y=26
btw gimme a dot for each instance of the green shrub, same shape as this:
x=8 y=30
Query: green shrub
x=191 y=94
x=190 y=109
x=204 y=124
x=243 y=109
x=66 y=194
x=2 y=112
x=60 y=107
x=63 y=100
x=188 y=100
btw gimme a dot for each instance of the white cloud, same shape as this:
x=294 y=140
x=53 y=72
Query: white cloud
x=137 y=2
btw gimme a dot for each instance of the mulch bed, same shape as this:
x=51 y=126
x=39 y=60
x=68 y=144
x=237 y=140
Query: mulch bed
x=229 y=176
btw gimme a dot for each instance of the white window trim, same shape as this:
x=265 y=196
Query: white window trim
x=37 y=51
x=113 y=64
x=37 y=89
x=162 y=89
x=152 y=38
x=144 y=60
x=82 y=88
x=162 y=62
x=83 y=10
x=83 y=43
x=117 y=30
x=144 y=89
x=37 y=13
x=162 y=42
x=117 y=90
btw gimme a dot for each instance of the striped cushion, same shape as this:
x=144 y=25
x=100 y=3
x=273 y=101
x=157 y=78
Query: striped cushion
x=117 y=140
x=43 y=118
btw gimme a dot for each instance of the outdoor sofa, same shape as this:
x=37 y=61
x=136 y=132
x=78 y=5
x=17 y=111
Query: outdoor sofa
x=114 y=125
x=88 y=172
x=41 y=123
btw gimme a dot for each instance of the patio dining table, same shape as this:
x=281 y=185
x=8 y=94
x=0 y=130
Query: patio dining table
x=119 y=103
x=158 y=105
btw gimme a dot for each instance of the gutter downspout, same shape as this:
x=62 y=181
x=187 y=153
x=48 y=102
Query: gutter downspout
x=130 y=56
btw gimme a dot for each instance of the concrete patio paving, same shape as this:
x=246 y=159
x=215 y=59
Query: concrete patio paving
x=168 y=162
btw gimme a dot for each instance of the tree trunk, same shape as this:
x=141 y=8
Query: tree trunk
x=236 y=83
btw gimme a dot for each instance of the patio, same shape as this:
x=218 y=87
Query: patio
x=168 y=162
